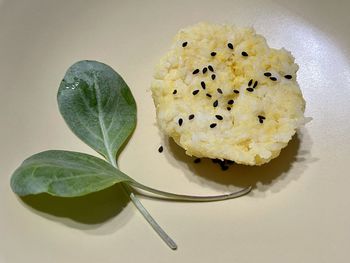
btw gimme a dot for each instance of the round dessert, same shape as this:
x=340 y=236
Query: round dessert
x=221 y=92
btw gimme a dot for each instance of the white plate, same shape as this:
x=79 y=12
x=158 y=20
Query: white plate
x=299 y=210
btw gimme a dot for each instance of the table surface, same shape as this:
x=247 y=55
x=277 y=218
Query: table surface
x=299 y=209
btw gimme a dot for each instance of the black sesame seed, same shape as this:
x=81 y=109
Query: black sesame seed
x=219 y=90
x=229 y=162
x=203 y=85
x=230 y=102
x=250 y=89
x=255 y=84
x=196 y=71
x=208 y=95
x=213 y=76
x=204 y=70
x=250 y=82
x=215 y=160
x=175 y=91
x=223 y=164
x=184 y=44
x=213 y=125
x=273 y=78
x=244 y=54
x=197 y=160
x=219 y=117
x=210 y=68
x=180 y=121
x=190 y=117
x=195 y=92
x=267 y=74
x=261 y=118
x=288 y=76
x=236 y=91
x=213 y=54
x=230 y=45
x=224 y=167
x=215 y=104
x=160 y=149
x=228 y=108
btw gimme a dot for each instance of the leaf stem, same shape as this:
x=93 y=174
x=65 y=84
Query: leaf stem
x=167 y=239
x=163 y=235
x=180 y=197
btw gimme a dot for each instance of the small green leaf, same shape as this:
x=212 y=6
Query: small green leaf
x=98 y=106
x=64 y=173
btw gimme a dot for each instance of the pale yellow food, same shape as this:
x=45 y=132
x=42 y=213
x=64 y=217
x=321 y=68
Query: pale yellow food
x=242 y=135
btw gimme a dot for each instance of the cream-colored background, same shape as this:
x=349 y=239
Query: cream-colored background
x=299 y=210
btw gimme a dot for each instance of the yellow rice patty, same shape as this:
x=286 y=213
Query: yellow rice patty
x=222 y=93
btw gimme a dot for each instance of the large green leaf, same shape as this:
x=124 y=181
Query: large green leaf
x=98 y=106
x=64 y=173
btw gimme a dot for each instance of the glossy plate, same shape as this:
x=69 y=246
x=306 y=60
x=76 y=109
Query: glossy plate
x=299 y=209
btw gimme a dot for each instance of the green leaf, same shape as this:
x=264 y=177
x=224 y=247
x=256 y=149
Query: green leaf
x=98 y=106
x=64 y=173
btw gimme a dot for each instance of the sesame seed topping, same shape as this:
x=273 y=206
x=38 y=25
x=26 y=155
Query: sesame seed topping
x=261 y=118
x=184 y=44
x=236 y=91
x=213 y=76
x=160 y=149
x=210 y=68
x=224 y=164
x=273 y=78
x=213 y=125
x=255 y=84
x=230 y=45
x=230 y=102
x=204 y=70
x=250 y=82
x=244 y=54
x=175 y=91
x=203 y=85
x=219 y=117
x=267 y=74
x=180 y=121
x=197 y=160
x=215 y=104
x=219 y=90
x=288 y=76
x=213 y=54
x=250 y=89
x=224 y=167
x=228 y=108
x=190 y=117
x=196 y=71
x=195 y=92
x=208 y=95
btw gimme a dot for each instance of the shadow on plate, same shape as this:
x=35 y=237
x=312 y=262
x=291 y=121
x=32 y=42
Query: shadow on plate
x=94 y=208
x=274 y=175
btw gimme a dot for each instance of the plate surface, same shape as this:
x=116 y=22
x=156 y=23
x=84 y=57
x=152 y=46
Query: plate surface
x=299 y=210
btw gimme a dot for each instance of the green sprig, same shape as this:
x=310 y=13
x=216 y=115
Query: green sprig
x=100 y=109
